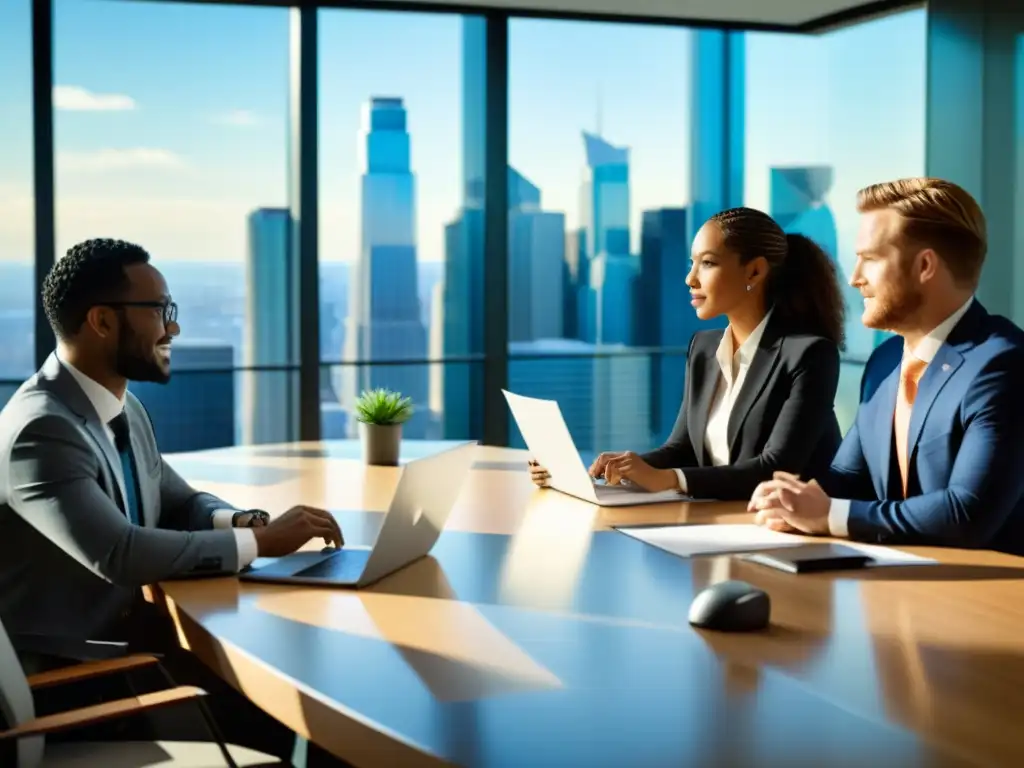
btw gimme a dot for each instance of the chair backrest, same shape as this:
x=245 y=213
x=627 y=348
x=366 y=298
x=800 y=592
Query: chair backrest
x=16 y=704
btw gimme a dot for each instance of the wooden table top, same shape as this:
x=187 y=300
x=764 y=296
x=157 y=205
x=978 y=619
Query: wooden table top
x=534 y=635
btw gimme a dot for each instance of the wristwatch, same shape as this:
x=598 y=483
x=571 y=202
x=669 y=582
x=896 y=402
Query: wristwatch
x=256 y=518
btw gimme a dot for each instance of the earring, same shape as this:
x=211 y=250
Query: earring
x=749 y=287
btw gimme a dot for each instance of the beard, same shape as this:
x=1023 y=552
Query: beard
x=896 y=303
x=891 y=309
x=137 y=361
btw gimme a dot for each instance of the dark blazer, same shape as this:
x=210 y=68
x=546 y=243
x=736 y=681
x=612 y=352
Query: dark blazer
x=70 y=561
x=783 y=419
x=966 y=469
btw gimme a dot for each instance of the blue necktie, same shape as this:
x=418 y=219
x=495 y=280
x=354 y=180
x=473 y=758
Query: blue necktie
x=122 y=440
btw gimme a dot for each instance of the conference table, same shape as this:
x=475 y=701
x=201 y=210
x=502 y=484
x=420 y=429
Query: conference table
x=536 y=635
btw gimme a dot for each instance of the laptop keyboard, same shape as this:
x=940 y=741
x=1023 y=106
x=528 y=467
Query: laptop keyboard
x=345 y=566
x=603 y=487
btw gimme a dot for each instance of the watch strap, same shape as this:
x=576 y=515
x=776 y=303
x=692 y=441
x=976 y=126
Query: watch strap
x=255 y=515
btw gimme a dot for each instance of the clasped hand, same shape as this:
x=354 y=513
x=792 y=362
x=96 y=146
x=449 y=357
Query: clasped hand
x=786 y=503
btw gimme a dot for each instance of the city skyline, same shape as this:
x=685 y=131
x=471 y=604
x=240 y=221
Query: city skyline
x=190 y=160
x=137 y=153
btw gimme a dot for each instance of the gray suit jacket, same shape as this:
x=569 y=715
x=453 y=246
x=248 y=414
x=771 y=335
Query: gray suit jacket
x=70 y=561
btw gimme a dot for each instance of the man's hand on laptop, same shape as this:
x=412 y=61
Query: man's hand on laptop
x=617 y=468
x=538 y=474
x=286 y=533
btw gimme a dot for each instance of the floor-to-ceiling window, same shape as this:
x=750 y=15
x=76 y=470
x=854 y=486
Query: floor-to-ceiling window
x=170 y=132
x=599 y=125
x=401 y=137
x=1018 y=146
x=17 y=295
x=826 y=115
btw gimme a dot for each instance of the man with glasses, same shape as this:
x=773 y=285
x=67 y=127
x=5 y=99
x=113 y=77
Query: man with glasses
x=89 y=510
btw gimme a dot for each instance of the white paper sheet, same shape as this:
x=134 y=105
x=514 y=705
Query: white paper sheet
x=548 y=440
x=690 y=540
x=693 y=540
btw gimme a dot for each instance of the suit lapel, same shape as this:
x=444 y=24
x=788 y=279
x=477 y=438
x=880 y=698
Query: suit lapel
x=67 y=389
x=941 y=369
x=880 y=409
x=98 y=433
x=707 y=375
x=761 y=367
x=877 y=428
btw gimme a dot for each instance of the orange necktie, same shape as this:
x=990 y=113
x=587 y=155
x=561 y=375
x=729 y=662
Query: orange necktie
x=910 y=375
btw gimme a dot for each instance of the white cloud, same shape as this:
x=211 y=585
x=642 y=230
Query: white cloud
x=119 y=159
x=239 y=118
x=78 y=99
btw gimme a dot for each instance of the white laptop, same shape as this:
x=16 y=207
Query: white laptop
x=423 y=500
x=548 y=440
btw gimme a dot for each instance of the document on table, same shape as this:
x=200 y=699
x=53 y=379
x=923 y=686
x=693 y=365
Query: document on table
x=695 y=540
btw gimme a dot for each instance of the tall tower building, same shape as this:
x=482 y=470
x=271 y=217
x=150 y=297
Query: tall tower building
x=662 y=316
x=575 y=283
x=462 y=326
x=718 y=126
x=460 y=395
x=536 y=258
x=269 y=399
x=384 y=320
x=605 y=208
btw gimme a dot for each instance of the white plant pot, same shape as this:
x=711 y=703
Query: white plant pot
x=381 y=443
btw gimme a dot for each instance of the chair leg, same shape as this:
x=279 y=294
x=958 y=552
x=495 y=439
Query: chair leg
x=211 y=724
x=300 y=752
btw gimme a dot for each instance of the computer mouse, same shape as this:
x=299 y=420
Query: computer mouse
x=731 y=606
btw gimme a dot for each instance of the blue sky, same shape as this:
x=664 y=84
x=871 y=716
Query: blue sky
x=171 y=119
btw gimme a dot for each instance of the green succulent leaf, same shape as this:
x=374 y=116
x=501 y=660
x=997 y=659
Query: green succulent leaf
x=382 y=406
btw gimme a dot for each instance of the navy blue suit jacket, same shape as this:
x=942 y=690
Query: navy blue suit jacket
x=966 y=444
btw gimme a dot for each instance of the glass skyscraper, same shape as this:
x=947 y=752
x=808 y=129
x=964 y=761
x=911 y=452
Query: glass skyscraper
x=605 y=207
x=384 y=321
x=536 y=255
x=662 y=313
x=269 y=399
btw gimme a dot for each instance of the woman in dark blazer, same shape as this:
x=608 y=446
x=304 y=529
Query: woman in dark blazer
x=759 y=396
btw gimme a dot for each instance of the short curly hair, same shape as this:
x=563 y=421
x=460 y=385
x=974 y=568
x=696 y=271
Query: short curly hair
x=91 y=272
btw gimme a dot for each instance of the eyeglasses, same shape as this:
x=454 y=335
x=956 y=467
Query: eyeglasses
x=170 y=309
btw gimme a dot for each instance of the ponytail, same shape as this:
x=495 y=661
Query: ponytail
x=803 y=285
x=805 y=290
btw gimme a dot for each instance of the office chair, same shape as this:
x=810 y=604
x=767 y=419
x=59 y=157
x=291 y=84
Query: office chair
x=24 y=738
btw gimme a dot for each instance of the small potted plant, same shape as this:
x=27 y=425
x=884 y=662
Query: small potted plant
x=381 y=413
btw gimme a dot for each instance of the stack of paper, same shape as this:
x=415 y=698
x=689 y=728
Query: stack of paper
x=694 y=540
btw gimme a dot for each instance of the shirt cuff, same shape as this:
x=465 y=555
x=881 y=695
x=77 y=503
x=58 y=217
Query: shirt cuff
x=245 y=538
x=682 y=480
x=222 y=517
x=838 y=518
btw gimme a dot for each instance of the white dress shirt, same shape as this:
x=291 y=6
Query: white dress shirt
x=108 y=407
x=926 y=350
x=734 y=366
